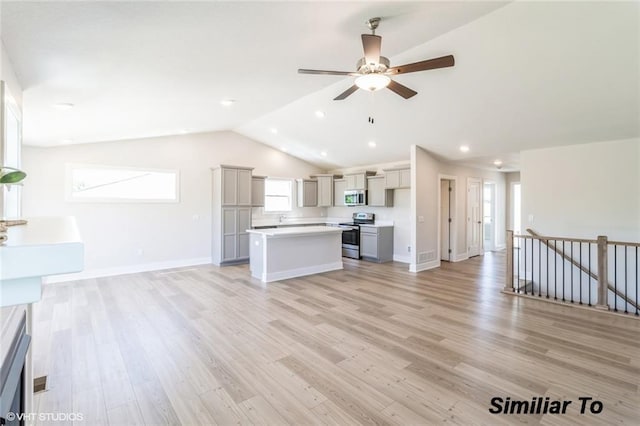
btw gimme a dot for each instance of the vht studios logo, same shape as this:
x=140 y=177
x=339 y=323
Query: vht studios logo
x=543 y=405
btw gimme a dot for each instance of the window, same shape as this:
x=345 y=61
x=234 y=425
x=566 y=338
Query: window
x=116 y=184
x=10 y=133
x=277 y=195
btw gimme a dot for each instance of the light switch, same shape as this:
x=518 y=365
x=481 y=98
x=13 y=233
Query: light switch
x=421 y=219
x=530 y=218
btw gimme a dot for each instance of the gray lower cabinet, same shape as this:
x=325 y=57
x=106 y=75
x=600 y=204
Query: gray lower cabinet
x=235 y=239
x=376 y=243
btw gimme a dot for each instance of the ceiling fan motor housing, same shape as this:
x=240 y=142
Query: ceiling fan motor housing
x=364 y=68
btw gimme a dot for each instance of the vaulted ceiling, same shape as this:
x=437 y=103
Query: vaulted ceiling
x=527 y=74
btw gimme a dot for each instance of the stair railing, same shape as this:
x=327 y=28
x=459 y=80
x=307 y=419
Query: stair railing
x=562 y=269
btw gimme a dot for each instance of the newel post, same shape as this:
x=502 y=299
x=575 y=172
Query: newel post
x=508 y=282
x=603 y=280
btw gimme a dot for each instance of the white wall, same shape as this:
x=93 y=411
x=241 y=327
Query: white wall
x=510 y=179
x=8 y=75
x=424 y=210
x=400 y=213
x=583 y=191
x=167 y=234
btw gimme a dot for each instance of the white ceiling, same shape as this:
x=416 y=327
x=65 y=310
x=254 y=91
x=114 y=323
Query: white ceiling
x=527 y=75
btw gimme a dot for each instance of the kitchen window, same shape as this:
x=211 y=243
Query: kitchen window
x=278 y=195
x=91 y=183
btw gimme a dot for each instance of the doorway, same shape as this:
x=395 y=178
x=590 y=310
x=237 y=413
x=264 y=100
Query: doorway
x=474 y=217
x=447 y=217
x=489 y=215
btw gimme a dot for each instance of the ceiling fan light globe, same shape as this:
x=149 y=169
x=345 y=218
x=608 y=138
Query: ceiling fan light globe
x=372 y=82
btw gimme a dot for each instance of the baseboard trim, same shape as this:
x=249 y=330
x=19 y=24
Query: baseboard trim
x=129 y=269
x=424 y=266
x=460 y=257
x=299 y=272
x=401 y=259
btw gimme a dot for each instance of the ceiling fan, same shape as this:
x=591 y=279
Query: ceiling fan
x=373 y=70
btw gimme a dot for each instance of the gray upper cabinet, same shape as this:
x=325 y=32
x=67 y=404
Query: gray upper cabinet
x=257 y=191
x=326 y=189
x=231 y=214
x=244 y=187
x=339 y=186
x=357 y=180
x=378 y=194
x=307 y=192
x=236 y=186
x=397 y=178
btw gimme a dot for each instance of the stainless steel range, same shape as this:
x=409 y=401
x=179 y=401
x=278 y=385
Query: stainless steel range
x=351 y=234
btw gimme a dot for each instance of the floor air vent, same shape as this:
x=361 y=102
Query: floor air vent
x=426 y=256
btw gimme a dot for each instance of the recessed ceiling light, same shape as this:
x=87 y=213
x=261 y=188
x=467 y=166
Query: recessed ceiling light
x=183 y=131
x=497 y=162
x=371 y=144
x=227 y=102
x=274 y=130
x=320 y=114
x=284 y=149
x=66 y=141
x=323 y=153
x=464 y=148
x=63 y=106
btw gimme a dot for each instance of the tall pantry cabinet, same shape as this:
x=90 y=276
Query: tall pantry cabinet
x=231 y=213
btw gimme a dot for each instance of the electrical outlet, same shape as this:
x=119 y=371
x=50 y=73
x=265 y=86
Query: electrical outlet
x=139 y=252
x=408 y=249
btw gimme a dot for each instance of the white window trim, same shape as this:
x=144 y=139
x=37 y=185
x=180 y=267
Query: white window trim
x=293 y=201
x=69 y=184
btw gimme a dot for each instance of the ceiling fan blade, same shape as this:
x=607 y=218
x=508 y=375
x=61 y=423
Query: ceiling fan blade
x=304 y=71
x=429 y=64
x=346 y=93
x=401 y=90
x=371 y=44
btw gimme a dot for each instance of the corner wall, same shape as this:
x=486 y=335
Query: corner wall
x=424 y=210
x=583 y=191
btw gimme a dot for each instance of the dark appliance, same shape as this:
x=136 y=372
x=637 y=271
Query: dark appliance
x=356 y=197
x=351 y=234
x=12 y=378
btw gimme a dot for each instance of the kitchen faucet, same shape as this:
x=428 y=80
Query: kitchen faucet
x=282 y=218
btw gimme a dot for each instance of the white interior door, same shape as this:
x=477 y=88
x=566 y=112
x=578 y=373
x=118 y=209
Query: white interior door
x=474 y=217
x=489 y=215
x=445 y=220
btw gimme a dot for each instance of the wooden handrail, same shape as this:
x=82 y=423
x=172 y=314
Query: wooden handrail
x=535 y=236
x=621 y=243
x=545 y=241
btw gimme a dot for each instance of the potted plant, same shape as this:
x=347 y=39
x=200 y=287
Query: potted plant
x=8 y=176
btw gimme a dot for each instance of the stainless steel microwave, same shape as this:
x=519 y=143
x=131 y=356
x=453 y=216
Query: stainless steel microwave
x=355 y=197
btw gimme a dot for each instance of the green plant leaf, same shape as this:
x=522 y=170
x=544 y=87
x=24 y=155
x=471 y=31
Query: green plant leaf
x=12 y=177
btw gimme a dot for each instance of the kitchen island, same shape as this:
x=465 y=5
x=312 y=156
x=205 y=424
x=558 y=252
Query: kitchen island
x=282 y=253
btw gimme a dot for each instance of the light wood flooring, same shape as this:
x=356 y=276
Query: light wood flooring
x=369 y=344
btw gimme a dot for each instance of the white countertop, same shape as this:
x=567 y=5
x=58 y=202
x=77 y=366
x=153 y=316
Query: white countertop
x=295 y=231
x=44 y=246
x=307 y=220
